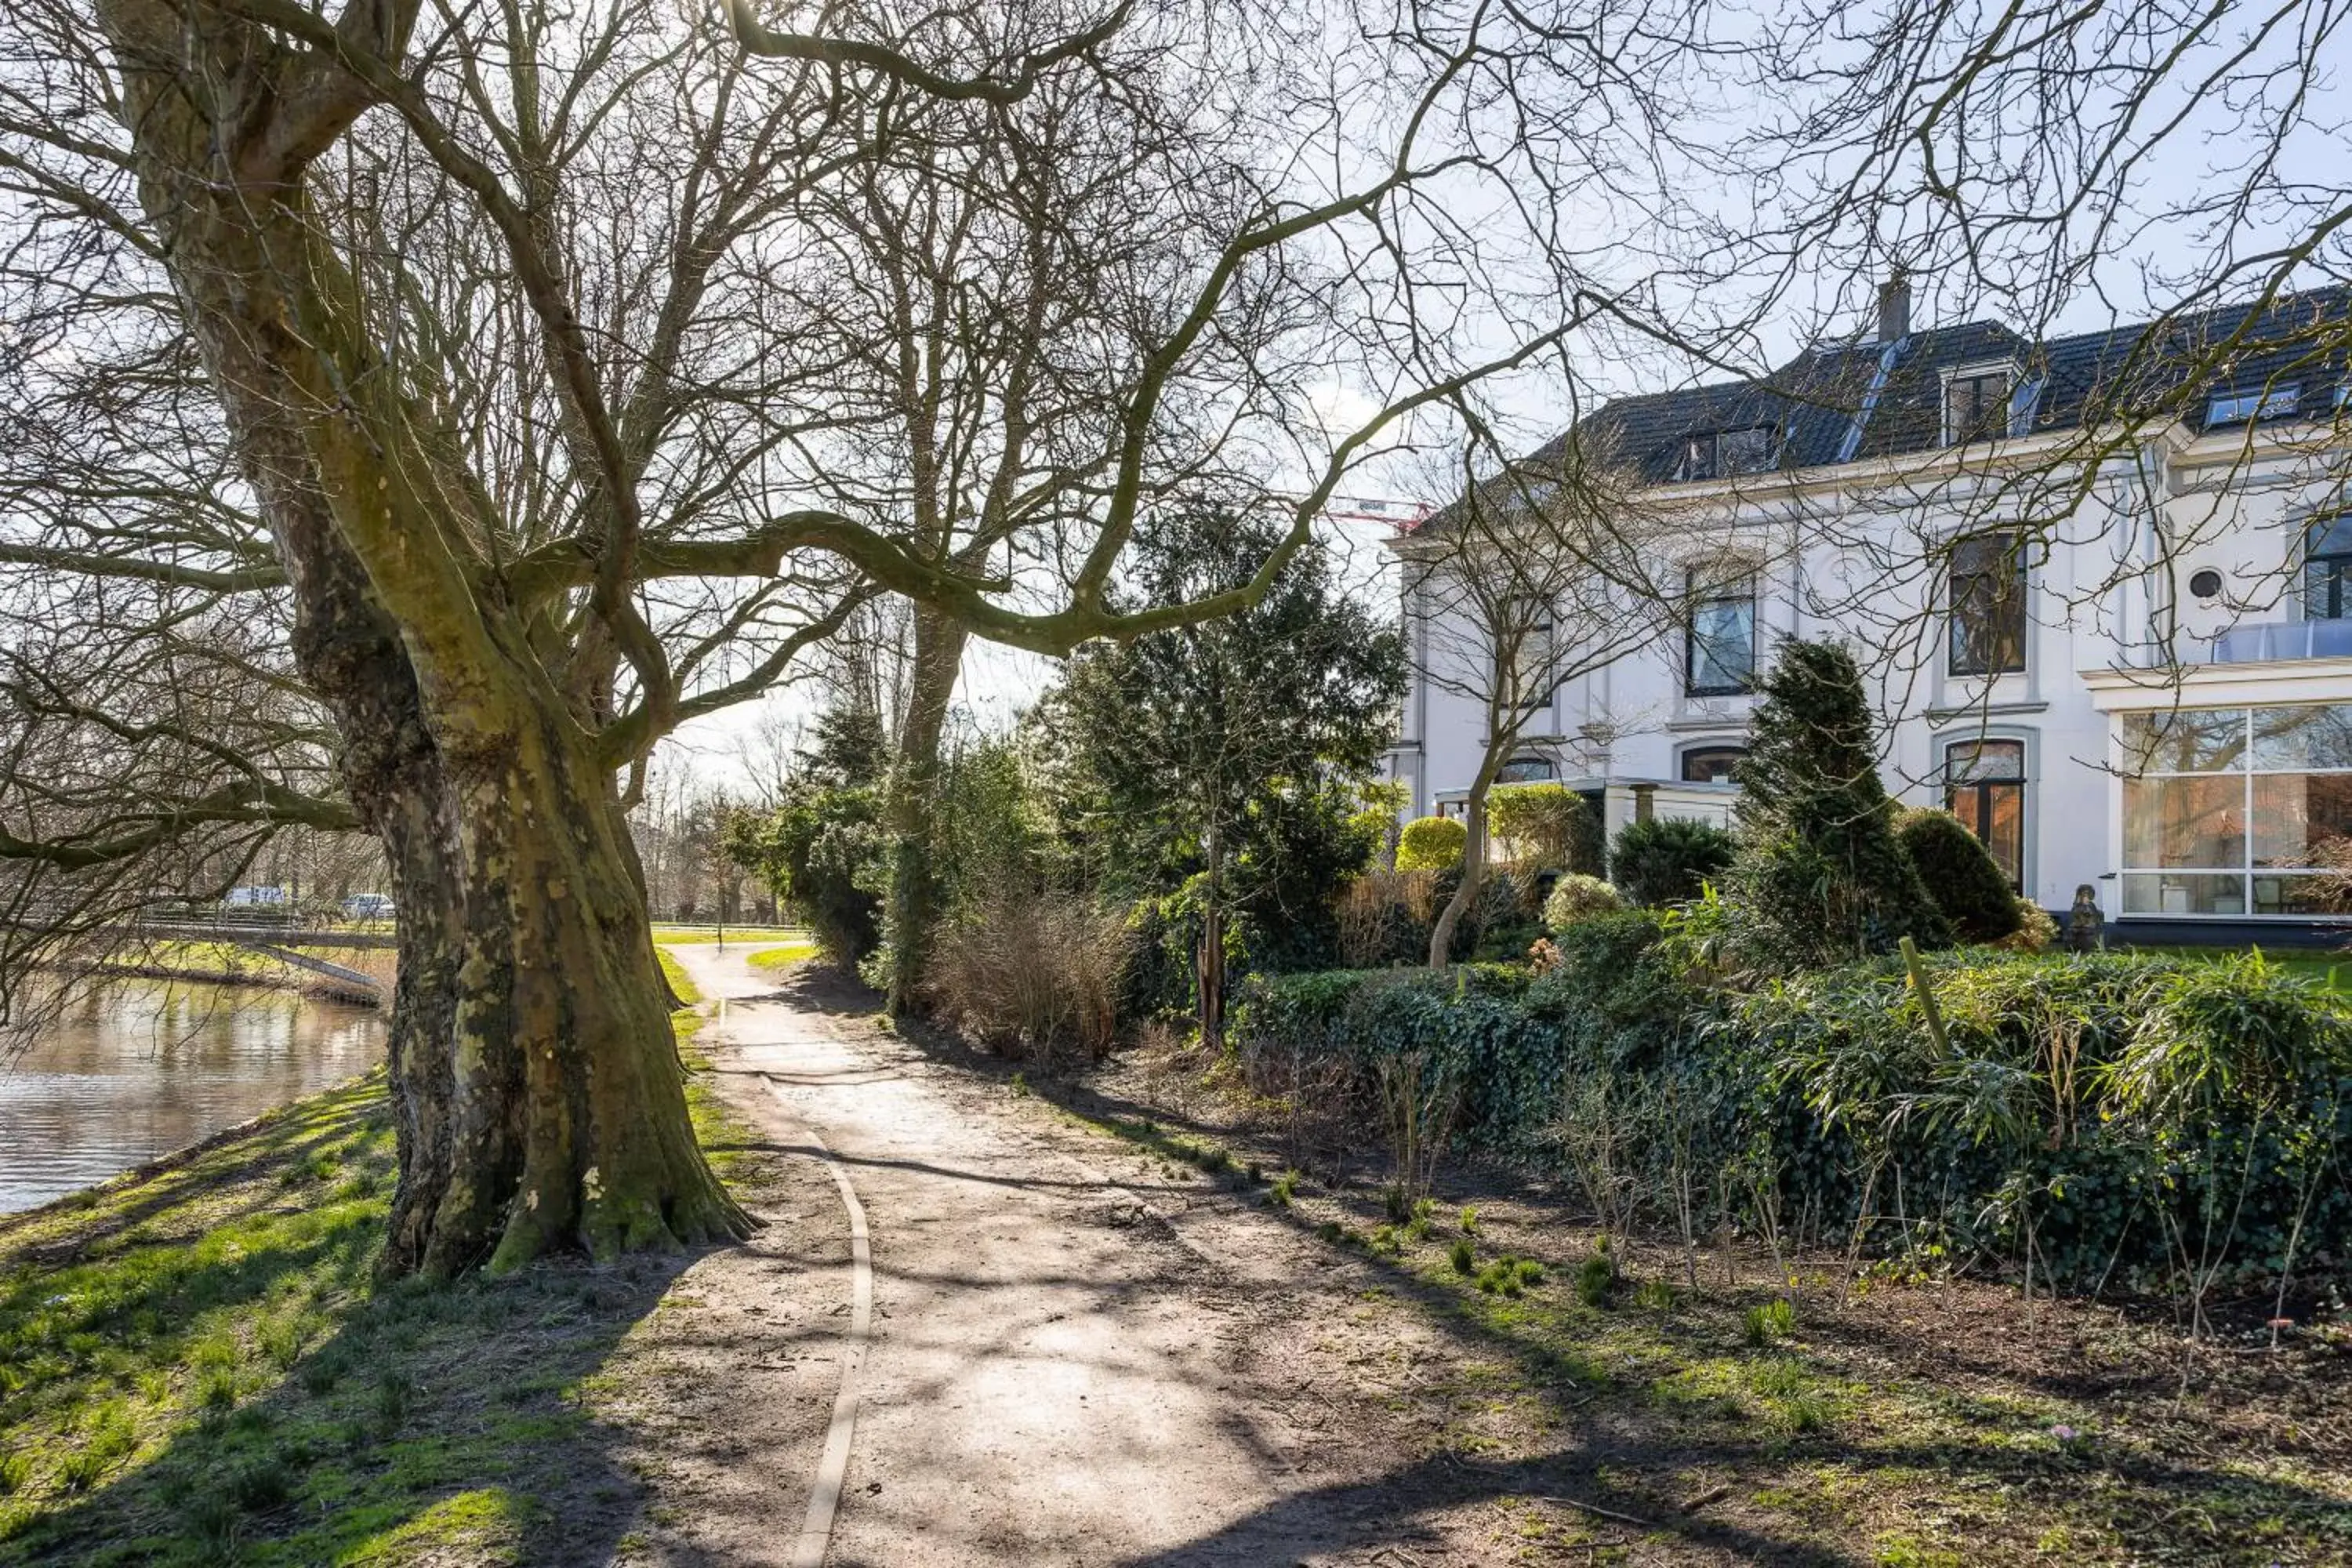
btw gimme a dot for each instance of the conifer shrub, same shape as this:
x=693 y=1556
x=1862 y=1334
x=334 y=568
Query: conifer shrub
x=1960 y=875
x=1820 y=878
x=1669 y=859
x=1431 y=844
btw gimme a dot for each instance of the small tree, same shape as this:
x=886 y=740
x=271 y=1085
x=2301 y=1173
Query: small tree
x=1960 y=875
x=1821 y=876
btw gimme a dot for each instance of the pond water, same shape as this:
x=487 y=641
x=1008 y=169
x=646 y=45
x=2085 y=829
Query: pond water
x=139 y=1068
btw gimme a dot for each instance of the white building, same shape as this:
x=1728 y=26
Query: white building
x=2119 y=647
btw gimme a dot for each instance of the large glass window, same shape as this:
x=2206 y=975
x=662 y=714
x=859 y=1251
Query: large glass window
x=2327 y=570
x=2237 y=811
x=1984 y=786
x=1985 y=592
x=1719 y=646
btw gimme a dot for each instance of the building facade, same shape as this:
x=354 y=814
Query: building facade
x=2102 y=588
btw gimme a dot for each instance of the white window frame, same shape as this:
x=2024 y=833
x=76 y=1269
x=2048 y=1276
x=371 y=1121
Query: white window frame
x=2009 y=368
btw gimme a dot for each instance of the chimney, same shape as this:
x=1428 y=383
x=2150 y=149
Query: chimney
x=1895 y=309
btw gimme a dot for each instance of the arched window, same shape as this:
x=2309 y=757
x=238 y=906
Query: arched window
x=1711 y=764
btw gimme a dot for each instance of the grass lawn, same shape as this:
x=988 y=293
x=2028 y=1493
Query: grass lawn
x=776 y=959
x=2331 y=969
x=748 y=936
x=197 y=1366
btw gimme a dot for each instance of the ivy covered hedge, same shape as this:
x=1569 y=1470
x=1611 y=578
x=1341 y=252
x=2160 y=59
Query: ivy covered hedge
x=2100 y=1117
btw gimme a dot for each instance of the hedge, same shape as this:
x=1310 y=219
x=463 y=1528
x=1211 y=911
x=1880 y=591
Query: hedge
x=2098 y=1118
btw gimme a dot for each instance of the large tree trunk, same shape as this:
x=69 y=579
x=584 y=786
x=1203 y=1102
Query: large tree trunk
x=539 y=1097
x=912 y=911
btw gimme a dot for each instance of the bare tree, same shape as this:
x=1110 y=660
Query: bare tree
x=481 y=357
x=1550 y=569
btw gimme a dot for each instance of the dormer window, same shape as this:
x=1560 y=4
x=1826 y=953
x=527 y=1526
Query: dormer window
x=1721 y=454
x=2246 y=404
x=1976 y=404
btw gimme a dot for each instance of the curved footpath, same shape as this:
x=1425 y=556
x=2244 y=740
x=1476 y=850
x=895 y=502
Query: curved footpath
x=1062 y=1369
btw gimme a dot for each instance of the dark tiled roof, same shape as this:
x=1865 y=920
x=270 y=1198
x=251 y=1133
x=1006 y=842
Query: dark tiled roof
x=1856 y=401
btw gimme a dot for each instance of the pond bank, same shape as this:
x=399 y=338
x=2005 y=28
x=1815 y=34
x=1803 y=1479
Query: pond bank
x=197 y=1364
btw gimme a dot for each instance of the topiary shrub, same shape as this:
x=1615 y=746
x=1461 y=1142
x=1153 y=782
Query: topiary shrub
x=1820 y=878
x=1431 y=844
x=1575 y=898
x=1668 y=859
x=1959 y=874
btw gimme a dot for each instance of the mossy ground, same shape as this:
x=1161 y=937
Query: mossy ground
x=197 y=1365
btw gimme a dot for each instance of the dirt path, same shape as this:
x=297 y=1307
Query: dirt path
x=1065 y=1367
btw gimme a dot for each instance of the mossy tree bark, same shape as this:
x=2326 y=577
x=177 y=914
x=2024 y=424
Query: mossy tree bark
x=540 y=1098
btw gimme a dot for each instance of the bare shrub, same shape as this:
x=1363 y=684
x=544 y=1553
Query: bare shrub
x=1030 y=974
x=1375 y=906
x=1418 y=1100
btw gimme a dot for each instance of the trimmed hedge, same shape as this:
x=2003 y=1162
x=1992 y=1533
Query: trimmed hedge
x=1960 y=875
x=1431 y=844
x=2101 y=1119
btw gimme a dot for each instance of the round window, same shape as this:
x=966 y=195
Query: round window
x=2205 y=584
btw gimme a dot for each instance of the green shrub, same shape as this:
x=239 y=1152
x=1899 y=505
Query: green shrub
x=1543 y=826
x=2036 y=931
x=1668 y=859
x=1465 y=1257
x=1576 y=898
x=1820 y=878
x=2127 y=1118
x=2130 y=1116
x=1960 y=875
x=824 y=855
x=1431 y=844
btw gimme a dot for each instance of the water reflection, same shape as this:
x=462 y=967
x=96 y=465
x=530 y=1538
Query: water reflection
x=139 y=1068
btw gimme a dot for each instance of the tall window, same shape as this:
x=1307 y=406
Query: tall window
x=1711 y=764
x=1719 y=641
x=1523 y=668
x=2237 y=810
x=1984 y=786
x=1976 y=407
x=2327 y=569
x=1986 y=591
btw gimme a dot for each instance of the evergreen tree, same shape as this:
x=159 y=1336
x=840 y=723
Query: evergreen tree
x=1226 y=758
x=1821 y=876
